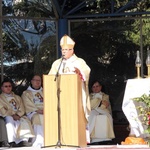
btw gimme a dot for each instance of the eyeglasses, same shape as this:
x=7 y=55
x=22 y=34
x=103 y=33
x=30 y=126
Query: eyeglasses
x=6 y=86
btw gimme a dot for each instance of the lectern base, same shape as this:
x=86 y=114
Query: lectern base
x=59 y=145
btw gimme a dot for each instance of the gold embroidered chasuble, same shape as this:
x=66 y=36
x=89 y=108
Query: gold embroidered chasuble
x=33 y=101
x=12 y=104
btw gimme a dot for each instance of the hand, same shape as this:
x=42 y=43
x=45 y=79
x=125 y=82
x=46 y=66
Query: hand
x=39 y=111
x=106 y=103
x=77 y=71
x=16 y=117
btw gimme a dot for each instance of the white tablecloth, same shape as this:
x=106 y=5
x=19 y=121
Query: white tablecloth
x=135 y=88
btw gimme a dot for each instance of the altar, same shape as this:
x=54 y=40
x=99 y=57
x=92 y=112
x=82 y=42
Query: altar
x=135 y=88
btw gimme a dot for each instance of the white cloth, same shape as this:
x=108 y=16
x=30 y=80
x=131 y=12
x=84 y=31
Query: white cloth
x=38 y=141
x=102 y=125
x=12 y=127
x=135 y=88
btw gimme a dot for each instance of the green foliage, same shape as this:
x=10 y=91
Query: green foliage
x=145 y=99
x=103 y=6
x=148 y=130
x=23 y=54
x=144 y=110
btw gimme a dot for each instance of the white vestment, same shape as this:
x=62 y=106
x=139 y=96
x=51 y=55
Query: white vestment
x=17 y=130
x=100 y=119
x=68 y=67
x=33 y=100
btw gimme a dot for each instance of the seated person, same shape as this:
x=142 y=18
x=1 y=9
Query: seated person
x=3 y=134
x=19 y=128
x=100 y=119
x=33 y=102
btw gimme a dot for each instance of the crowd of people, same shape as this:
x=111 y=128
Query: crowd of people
x=21 y=117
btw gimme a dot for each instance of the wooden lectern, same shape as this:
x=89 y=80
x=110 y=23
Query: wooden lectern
x=73 y=122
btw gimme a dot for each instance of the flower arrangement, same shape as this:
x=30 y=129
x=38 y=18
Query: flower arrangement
x=144 y=110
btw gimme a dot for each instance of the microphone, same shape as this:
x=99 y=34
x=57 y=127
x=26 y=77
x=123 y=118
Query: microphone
x=59 y=68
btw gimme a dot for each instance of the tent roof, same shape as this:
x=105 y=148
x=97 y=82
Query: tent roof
x=86 y=9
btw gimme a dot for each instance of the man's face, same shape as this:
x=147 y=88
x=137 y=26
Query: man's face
x=96 y=88
x=6 y=87
x=67 y=53
x=36 y=82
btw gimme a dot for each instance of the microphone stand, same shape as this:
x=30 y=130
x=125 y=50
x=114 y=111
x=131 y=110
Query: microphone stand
x=58 y=144
x=57 y=73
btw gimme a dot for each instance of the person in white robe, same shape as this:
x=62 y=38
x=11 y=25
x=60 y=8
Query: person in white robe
x=71 y=64
x=100 y=119
x=19 y=128
x=33 y=102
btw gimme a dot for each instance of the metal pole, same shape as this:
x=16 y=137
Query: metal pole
x=1 y=42
x=62 y=30
x=141 y=46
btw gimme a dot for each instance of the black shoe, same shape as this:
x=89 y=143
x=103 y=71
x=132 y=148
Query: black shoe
x=105 y=142
x=13 y=144
x=5 y=144
x=25 y=144
x=94 y=143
